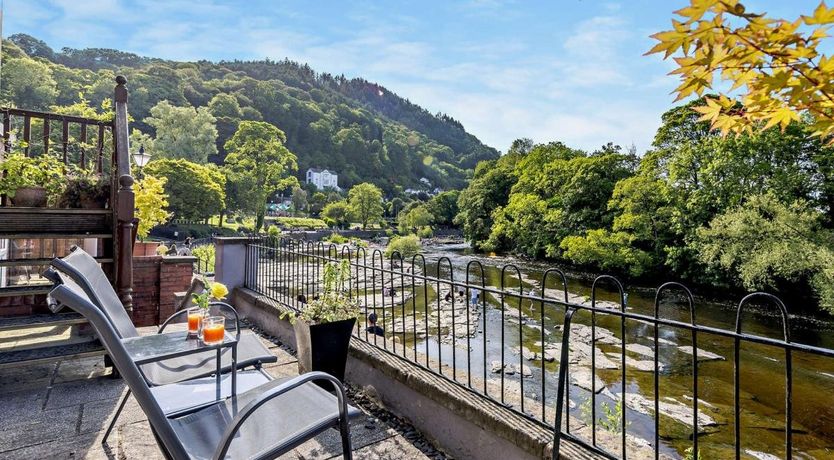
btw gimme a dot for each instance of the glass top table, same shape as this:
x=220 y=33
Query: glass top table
x=159 y=347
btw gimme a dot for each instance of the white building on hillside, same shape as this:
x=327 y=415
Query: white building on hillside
x=322 y=178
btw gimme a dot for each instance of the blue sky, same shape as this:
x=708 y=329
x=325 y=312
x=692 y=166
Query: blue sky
x=567 y=70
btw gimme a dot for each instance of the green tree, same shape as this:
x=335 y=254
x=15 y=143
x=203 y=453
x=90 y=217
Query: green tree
x=183 y=132
x=444 y=207
x=559 y=192
x=317 y=202
x=365 y=201
x=489 y=189
x=336 y=214
x=606 y=250
x=259 y=163
x=416 y=219
x=299 y=199
x=151 y=204
x=225 y=105
x=28 y=84
x=194 y=191
x=32 y=46
x=642 y=230
x=395 y=206
x=764 y=244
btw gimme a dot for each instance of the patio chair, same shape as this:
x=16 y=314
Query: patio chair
x=81 y=270
x=264 y=422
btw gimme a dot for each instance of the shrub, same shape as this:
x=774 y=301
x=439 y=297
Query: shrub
x=84 y=187
x=407 y=246
x=21 y=171
x=205 y=253
x=195 y=231
x=273 y=234
x=359 y=242
x=425 y=232
x=335 y=238
x=334 y=302
x=298 y=222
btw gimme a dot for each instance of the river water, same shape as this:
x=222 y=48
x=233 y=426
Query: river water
x=762 y=370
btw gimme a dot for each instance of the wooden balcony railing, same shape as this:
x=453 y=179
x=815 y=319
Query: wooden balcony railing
x=93 y=144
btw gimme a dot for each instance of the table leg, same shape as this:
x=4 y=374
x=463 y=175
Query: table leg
x=234 y=369
x=219 y=392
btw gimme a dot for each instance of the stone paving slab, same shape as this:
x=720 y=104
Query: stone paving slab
x=60 y=410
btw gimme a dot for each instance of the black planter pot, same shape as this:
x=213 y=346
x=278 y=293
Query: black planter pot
x=323 y=347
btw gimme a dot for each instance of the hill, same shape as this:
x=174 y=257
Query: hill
x=357 y=128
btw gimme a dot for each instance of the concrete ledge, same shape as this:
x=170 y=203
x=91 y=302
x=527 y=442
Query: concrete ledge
x=221 y=240
x=463 y=423
x=178 y=259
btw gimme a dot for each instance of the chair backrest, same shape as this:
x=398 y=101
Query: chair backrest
x=72 y=296
x=83 y=270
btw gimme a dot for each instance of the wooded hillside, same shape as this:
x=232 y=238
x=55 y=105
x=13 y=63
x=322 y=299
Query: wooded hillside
x=357 y=128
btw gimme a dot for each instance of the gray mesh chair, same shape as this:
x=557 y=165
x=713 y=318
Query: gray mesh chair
x=82 y=269
x=79 y=269
x=264 y=422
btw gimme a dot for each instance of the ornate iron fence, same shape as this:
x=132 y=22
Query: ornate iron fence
x=467 y=331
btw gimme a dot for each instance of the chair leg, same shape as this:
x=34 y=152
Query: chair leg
x=115 y=417
x=344 y=429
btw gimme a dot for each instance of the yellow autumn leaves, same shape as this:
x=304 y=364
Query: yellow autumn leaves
x=773 y=67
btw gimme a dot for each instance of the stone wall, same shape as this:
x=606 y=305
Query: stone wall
x=156 y=280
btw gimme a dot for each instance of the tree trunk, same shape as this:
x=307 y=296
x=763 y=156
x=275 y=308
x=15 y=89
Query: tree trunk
x=259 y=220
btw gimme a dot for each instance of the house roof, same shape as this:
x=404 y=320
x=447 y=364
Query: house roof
x=320 y=170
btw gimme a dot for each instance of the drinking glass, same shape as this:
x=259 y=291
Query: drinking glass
x=195 y=317
x=214 y=329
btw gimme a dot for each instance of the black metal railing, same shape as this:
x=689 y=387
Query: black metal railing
x=203 y=250
x=454 y=328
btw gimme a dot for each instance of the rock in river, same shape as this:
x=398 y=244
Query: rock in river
x=703 y=355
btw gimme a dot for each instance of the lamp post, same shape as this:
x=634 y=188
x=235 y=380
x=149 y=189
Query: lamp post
x=141 y=159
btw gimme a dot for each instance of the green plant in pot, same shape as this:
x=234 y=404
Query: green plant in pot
x=85 y=189
x=324 y=325
x=31 y=181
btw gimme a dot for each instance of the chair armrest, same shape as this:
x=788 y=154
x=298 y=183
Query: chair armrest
x=170 y=318
x=240 y=418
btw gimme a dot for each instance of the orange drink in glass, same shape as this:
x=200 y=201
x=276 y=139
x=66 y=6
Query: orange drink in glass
x=214 y=330
x=195 y=315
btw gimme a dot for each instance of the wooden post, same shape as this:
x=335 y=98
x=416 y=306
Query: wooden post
x=124 y=207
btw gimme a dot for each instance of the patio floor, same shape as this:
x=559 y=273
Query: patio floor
x=60 y=410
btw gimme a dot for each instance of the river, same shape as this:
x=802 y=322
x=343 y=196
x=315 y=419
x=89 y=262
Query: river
x=762 y=371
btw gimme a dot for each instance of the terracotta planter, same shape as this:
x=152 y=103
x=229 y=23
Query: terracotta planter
x=30 y=197
x=145 y=248
x=323 y=347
